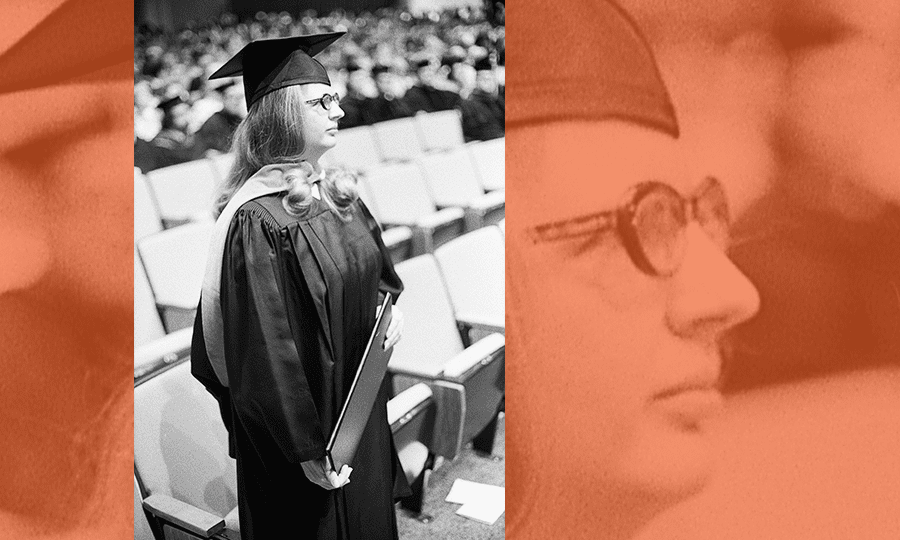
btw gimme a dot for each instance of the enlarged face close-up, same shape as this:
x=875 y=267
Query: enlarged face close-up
x=620 y=363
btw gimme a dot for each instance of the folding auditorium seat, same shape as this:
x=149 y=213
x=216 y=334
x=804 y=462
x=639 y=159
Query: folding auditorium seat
x=142 y=529
x=468 y=382
x=146 y=217
x=396 y=195
x=175 y=261
x=181 y=461
x=473 y=267
x=412 y=415
x=398 y=140
x=399 y=241
x=184 y=192
x=152 y=346
x=453 y=181
x=355 y=149
x=221 y=164
x=187 y=480
x=490 y=162
x=441 y=130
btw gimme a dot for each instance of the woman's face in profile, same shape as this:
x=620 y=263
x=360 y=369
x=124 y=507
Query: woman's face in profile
x=320 y=124
x=619 y=367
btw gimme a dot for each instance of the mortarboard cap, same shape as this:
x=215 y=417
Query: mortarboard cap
x=606 y=70
x=270 y=64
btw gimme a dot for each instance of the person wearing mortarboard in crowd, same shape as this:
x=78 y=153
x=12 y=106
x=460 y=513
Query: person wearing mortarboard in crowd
x=483 y=112
x=431 y=92
x=173 y=144
x=624 y=251
x=354 y=104
x=295 y=270
x=390 y=103
x=215 y=134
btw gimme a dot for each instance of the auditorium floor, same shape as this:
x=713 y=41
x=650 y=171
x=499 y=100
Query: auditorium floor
x=446 y=524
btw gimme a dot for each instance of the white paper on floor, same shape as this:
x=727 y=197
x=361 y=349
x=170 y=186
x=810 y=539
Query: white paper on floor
x=481 y=502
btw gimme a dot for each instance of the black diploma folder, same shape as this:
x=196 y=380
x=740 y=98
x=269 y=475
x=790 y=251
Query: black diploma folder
x=366 y=384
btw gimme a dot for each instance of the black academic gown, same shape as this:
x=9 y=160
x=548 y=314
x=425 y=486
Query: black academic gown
x=217 y=131
x=384 y=108
x=354 y=112
x=171 y=147
x=430 y=99
x=299 y=299
x=483 y=116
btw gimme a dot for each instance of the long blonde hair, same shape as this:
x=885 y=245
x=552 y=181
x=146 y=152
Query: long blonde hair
x=272 y=134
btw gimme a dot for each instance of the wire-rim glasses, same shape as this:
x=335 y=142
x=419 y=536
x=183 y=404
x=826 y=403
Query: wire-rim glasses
x=652 y=223
x=326 y=101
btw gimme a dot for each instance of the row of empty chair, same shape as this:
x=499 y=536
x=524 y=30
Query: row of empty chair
x=449 y=389
x=168 y=275
x=402 y=139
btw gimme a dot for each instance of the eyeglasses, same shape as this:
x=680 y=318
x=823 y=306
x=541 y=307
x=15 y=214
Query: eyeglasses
x=326 y=101
x=652 y=223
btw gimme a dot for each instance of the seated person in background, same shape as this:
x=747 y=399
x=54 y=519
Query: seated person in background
x=431 y=92
x=173 y=144
x=215 y=134
x=360 y=89
x=484 y=111
x=620 y=287
x=390 y=103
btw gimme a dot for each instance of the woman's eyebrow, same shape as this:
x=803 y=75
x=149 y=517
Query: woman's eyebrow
x=40 y=113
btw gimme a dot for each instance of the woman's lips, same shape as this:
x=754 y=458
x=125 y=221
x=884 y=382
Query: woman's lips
x=688 y=407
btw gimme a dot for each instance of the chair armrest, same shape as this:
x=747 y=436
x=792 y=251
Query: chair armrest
x=190 y=518
x=177 y=317
x=405 y=403
x=479 y=353
x=435 y=219
x=478 y=322
x=168 y=349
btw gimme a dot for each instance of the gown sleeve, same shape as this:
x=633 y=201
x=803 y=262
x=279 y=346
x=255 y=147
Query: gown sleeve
x=389 y=282
x=272 y=358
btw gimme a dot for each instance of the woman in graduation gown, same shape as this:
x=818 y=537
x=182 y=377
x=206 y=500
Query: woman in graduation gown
x=296 y=271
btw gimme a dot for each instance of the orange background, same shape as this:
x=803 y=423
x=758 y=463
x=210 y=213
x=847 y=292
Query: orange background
x=66 y=330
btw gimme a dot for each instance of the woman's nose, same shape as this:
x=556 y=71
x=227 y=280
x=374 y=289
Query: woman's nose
x=335 y=112
x=710 y=294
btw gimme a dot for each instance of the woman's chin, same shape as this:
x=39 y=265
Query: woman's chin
x=668 y=465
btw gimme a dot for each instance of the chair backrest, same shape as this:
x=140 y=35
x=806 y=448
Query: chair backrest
x=440 y=130
x=142 y=529
x=451 y=178
x=147 y=324
x=355 y=149
x=184 y=191
x=398 y=194
x=221 y=164
x=180 y=442
x=398 y=139
x=430 y=335
x=175 y=261
x=473 y=267
x=490 y=162
x=146 y=216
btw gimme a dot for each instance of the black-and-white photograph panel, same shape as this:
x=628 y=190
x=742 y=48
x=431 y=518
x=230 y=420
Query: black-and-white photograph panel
x=319 y=211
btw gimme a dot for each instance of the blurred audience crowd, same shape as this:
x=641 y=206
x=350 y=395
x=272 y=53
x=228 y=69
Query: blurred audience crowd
x=390 y=65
